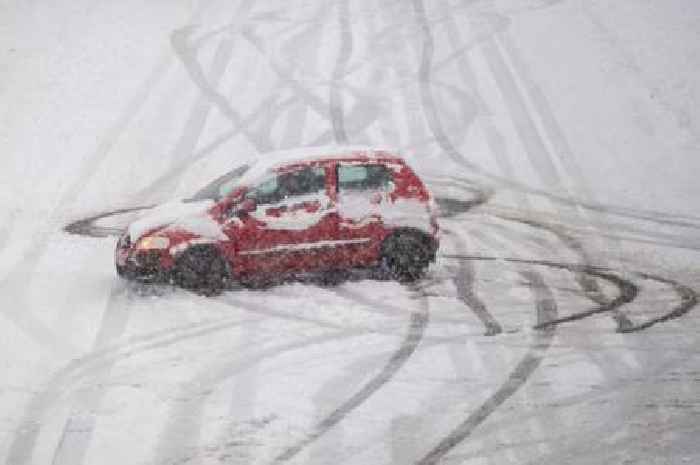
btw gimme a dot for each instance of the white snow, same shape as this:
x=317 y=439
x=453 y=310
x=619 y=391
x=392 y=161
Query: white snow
x=188 y=216
x=295 y=217
x=121 y=104
x=363 y=207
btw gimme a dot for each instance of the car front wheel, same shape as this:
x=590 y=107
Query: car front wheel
x=202 y=270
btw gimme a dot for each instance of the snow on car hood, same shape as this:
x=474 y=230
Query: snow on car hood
x=190 y=216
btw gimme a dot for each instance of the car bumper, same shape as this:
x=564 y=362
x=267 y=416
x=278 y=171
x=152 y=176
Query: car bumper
x=143 y=266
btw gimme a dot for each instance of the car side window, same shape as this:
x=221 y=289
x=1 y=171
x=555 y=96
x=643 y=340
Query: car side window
x=295 y=183
x=364 y=177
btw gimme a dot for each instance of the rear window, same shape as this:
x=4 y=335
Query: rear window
x=364 y=177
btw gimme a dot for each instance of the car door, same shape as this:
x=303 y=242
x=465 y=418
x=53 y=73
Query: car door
x=363 y=192
x=294 y=223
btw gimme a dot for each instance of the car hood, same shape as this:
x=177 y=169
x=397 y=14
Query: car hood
x=193 y=217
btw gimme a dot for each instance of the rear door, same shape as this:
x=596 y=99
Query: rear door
x=363 y=193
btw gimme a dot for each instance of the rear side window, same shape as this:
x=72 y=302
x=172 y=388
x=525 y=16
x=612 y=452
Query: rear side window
x=364 y=177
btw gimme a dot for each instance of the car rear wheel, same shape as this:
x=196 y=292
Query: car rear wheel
x=405 y=257
x=202 y=270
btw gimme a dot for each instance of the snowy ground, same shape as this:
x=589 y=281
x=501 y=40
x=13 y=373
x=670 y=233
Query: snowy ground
x=558 y=326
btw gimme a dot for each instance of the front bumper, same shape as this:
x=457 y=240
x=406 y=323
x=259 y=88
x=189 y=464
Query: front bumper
x=149 y=266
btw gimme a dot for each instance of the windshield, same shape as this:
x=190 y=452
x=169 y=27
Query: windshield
x=221 y=186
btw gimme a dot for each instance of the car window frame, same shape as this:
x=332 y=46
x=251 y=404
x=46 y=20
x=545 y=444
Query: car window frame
x=388 y=186
x=282 y=172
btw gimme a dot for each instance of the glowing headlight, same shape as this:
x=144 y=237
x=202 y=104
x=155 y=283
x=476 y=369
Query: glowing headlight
x=153 y=242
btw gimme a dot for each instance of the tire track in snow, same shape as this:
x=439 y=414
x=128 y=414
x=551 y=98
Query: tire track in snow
x=6 y=227
x=530 y=362
x=22 y=444
x=113 y=322
x=78 y=429
x=689 y=298
x=186 y=144
x=168 y=179
x=186 y=50
x=546 y=310
x=94 y=363
x=627 y=411
x=589 y=286
x=24 y=320
x=539 y=152
x=526 y=128
x=297 y=118
x=414 y=335
x=361 y=115
x=335 y=96
x=628 y=290
x=88 y=227
x=67 y=379
x=183 y=421
x=286 y=76
x=429 y=108
x=464 y=282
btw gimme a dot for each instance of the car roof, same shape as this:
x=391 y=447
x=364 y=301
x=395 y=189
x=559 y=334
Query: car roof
x=273 y=160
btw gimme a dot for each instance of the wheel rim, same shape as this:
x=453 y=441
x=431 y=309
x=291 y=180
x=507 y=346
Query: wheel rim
x=202 y=270
x=405 y=259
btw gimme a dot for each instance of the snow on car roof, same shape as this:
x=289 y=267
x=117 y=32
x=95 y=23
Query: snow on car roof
x=271 y=160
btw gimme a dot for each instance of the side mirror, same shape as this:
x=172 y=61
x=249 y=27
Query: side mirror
x=247 y=206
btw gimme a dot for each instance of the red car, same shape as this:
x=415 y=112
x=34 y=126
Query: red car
x=318 y=210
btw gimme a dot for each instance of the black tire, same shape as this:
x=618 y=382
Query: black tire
x=405 y=257
x=202 y=270
x=332 y=278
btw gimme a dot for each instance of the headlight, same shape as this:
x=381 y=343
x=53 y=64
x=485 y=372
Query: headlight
x=153 y=242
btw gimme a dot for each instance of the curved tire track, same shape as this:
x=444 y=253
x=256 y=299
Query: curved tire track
x=68 y=379
x=546 y=310
x=414 y=336
x=335 y=97
x=689 y=297
x=433 y=119
x=185 y=415
x=464 y=283
x=87 y=226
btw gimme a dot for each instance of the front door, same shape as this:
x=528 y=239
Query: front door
x=294 y=225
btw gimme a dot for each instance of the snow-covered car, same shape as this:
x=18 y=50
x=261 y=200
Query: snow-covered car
x=315 y=210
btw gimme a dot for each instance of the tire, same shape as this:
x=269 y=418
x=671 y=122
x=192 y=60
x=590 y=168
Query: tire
x=404 y=257
x=332 y=278
x=202 y=270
